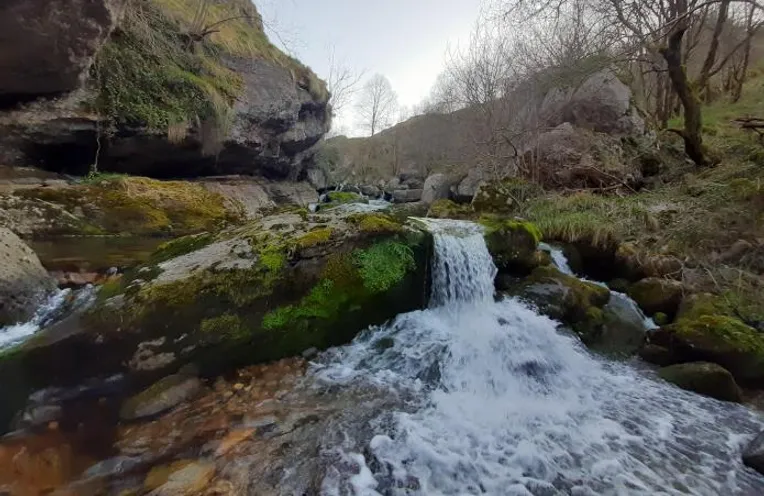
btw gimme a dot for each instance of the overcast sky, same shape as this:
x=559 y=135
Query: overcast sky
x=405 y=40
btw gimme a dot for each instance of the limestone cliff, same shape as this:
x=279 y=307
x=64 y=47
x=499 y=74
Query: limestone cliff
x=164 y=88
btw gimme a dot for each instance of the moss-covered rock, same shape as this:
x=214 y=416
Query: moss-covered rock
x=513 y=244
x=718 y=339
x=447 y=209
x=134 y=206
x=251 y=295
x=704 y=378
x=574 y=302
x=505 y=196
x=340 y=197
x=697 y=305
x=655 y=295
x=376 y=223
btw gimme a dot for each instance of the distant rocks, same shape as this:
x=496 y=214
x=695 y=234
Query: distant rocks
x=407 y=195
x=24 y=283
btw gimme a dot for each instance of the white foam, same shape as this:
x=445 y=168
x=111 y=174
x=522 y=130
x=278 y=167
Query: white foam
x=504 y=402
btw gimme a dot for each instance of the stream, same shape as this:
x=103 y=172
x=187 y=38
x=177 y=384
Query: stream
x=473 y=395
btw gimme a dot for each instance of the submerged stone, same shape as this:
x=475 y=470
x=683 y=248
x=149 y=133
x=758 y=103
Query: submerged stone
x=753 y=455
x=160 y=397
x=703 y=378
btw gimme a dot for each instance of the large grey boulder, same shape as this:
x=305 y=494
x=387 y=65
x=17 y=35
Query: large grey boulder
x=468 y=187
x=436 y=187
x=24 y=282
x=255 y=196
x=601 y=102
x=47 y=46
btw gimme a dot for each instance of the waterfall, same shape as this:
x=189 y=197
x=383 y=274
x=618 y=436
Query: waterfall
x=493 y=398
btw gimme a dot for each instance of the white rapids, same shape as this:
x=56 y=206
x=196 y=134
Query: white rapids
x=500 y=401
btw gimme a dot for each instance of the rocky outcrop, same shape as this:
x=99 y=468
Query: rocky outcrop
x=270 y=289
x=171 y=109
x=655 y=295
x=599 y=102
x=47 y=46
x=255 y=197
x=24 y=282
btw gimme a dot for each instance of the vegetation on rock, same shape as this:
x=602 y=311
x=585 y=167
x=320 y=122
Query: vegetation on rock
x=704 y=378
x=134 y=206
x=654 y=295
x=512 y=243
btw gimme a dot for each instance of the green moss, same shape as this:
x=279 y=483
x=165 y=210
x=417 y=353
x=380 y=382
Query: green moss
x=316 y=237
x=347 y=283
x=512 y=243
x=697 y=305
x=504 y=196
x=721 y=334
x=339 y=197
x=661 y=318
x=384 y=265
x=226 y=326
x=376 y=223
x=180 y=246
x=656 y=295
x=447 y=209
x=139 y=206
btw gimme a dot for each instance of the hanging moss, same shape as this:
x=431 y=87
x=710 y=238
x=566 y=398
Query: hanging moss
x=384 y=265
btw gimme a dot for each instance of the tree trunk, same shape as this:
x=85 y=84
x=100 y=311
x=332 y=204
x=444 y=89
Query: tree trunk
x=693 y=119
x=708 y=64
x=741 y=76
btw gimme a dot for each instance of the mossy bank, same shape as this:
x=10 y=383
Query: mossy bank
x=260 y=292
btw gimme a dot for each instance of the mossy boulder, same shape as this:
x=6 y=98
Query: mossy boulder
x=447 y=209
x=719 y=339
x=120 y=205
x=568 y=299
x=255 y=293
x=657 y=355
x=708 y=379
x=697 y=305
x=654 y=295
x=504 y=196
x=513 y=244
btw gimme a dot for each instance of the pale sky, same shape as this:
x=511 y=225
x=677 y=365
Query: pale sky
x=405 y=40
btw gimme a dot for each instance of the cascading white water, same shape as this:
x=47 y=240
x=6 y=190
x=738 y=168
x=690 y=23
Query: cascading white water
x=497 y=400
x=60 y=301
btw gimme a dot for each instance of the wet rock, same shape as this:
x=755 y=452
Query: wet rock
x=407 y=195
x=655 y=295
x=718 y=339
x=657 y=355
x=158 y=476
x=233 y=438
x=753 y=455
x=704 y=378
x=623 y=327
x=513 y=244
x=111 y=467
x=309 y=353
x=568 y=299
x=24 y=283
x=370 y=191
x=162 y=396
x=436 y=187
x=187 y=481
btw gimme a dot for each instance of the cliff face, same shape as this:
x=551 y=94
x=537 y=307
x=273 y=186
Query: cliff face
x=163 y=88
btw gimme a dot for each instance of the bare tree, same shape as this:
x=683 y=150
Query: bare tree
x=377 y=104
x=342 y=83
